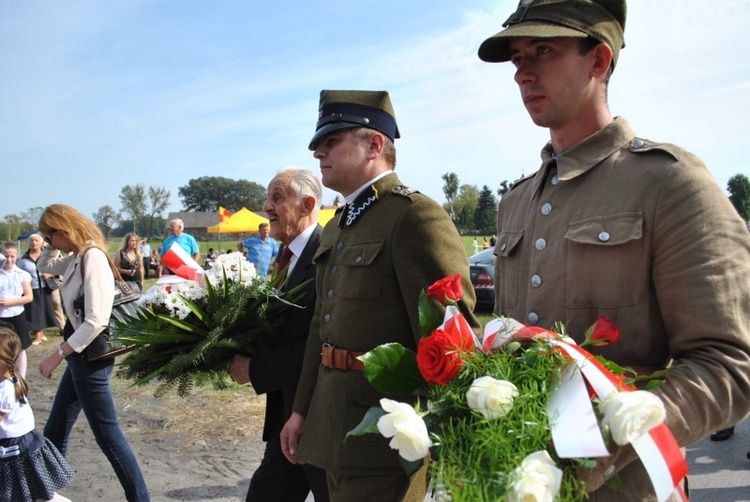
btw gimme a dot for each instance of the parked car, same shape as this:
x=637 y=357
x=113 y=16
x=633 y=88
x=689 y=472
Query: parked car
x=482 y=266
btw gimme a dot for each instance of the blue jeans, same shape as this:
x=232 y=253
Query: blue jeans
x=85 y=385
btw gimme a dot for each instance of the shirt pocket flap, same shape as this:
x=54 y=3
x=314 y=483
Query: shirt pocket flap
x=320 y=252
x=507 y=241
x=611 y=230
x=361 y=255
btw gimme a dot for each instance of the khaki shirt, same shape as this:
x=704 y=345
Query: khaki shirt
x=369 y=277
x=639 y=232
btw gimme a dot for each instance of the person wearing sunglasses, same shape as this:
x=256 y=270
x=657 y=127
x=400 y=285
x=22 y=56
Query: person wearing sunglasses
x=84 y=385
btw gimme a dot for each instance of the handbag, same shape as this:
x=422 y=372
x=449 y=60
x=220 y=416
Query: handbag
x=105 y=345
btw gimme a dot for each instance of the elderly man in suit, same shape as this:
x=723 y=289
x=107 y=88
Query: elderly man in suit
x=292 y=207
x=389 y=243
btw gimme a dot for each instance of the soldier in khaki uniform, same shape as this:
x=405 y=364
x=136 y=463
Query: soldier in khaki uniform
x=616 y=225
x=387 y=244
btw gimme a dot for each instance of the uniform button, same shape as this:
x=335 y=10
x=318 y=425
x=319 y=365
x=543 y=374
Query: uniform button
x=540 y=244
x=604 y=236
x=546 y=208
x=330 y=293
x=533 y=318
x=334 y=269
x=536 y=280
x=503 y=247
x=638 y=143
x=340 y=246
x=358 y=259
x=327 y=318
x=555 y=180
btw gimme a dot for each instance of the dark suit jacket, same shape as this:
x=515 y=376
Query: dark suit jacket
x=276 y=374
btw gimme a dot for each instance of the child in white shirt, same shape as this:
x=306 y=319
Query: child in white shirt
x=30 y=466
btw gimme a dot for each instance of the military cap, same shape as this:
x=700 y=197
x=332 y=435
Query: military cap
x=349 y=109
x=603 y=20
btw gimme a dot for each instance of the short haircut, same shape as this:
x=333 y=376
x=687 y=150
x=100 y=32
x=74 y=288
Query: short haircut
x=304 y=183
x=389 y=149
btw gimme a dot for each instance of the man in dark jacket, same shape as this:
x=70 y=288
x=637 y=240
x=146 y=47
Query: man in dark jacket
x=292 y=208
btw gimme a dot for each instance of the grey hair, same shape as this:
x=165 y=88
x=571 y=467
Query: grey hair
x=178 y=221
x=304 y=183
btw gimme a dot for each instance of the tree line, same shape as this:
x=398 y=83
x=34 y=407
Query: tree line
x=472 y=209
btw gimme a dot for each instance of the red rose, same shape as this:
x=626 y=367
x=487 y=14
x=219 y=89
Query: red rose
x=603 y=333
x=446 y=289
x=439 y=356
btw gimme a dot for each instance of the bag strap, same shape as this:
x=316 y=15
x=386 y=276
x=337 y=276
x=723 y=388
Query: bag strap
x=115 y=272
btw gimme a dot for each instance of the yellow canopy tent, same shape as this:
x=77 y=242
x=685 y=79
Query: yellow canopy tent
x=325 y=215
x=242 y=221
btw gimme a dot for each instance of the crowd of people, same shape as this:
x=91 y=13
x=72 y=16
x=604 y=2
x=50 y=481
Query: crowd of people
x=610 y=224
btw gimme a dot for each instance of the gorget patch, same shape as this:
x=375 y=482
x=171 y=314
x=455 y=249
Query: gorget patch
x=352 y=212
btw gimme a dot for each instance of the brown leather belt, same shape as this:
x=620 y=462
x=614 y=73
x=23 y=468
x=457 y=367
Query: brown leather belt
x=341 y=359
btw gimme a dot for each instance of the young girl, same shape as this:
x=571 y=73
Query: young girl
x=15 y=292
x=30 y=466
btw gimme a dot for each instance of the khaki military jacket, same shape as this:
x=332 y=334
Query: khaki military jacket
x=369 y=277
x=639 y=232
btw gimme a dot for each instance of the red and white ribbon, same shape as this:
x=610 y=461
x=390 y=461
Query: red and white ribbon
x=657 y=449
x=182 y=264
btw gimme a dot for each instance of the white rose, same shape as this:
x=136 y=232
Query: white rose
x=629 y=415
x=492 y=398
x=537 y=479
x=407 y=429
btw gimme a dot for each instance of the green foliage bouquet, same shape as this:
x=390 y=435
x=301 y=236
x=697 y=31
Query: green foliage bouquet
x=493 y=413
x=187 y=332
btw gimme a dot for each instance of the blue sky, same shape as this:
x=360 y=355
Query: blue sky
x=97 y=94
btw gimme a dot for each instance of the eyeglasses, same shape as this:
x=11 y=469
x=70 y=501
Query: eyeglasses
x=48 y=237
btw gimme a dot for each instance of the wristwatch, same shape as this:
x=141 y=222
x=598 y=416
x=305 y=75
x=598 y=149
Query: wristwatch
x=61 y=351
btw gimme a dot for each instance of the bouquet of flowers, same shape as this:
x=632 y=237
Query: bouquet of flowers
x=511 y=417
x=187 y=331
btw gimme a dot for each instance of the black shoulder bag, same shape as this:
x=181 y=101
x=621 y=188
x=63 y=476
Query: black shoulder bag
x=105 y=345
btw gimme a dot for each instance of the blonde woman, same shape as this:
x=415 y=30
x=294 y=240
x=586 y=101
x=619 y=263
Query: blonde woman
x=129 y=260
x=84 y=384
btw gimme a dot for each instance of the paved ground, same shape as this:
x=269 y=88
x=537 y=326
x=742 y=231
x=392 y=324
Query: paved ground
x=720 y=472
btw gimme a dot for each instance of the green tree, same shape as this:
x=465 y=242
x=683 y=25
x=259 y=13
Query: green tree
x=13 y=222
x=158 y=199
x=31 y=217
x=465 y=206
x=485 y=215
x=106 y=218
x=209 y=192
x=503 y=189
x=133 y=199
x=738 y=187
x=450 y=189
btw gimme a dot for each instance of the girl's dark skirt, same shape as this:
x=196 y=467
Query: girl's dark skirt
x=37 y=472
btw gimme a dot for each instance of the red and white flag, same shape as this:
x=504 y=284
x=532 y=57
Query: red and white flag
x=182 y=264
x=224 y=214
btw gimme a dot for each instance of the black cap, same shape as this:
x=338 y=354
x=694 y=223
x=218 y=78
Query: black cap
x=350 y=109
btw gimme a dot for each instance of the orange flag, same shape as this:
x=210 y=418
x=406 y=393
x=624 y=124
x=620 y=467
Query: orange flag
x=224 y=214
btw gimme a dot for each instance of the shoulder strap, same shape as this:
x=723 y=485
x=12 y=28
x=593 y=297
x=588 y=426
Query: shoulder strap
x=115 y=272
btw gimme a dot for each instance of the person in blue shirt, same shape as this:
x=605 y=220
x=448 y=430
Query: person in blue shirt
x=261 y=249
x=186 y=241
